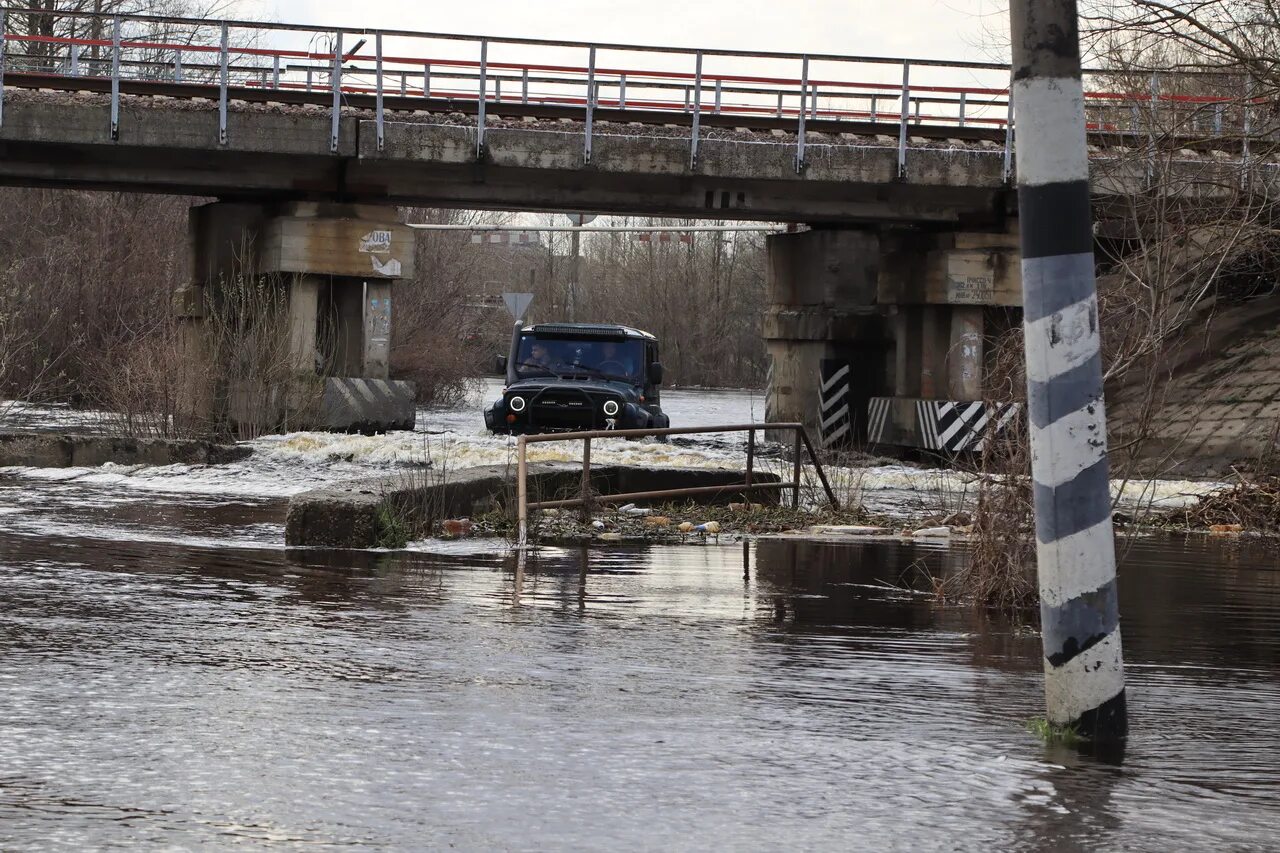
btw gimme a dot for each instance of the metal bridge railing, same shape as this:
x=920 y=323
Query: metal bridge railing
x=800 y=93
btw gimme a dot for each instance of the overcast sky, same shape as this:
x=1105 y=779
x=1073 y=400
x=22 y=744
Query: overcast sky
x=952 y=29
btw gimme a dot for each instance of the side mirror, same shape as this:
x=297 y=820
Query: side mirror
x=655 y=373
x=500 y=365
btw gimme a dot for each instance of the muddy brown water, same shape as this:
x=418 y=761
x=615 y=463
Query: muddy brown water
x=171 y=677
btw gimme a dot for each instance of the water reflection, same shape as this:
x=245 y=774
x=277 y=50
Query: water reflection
x=181 y=689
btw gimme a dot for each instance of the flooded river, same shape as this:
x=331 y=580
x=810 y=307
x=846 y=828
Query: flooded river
x=171 y=676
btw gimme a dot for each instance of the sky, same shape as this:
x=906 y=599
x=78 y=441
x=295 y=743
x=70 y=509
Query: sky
x=951 y=29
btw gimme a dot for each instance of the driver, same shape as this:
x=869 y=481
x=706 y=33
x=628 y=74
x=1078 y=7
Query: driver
x=611 y=355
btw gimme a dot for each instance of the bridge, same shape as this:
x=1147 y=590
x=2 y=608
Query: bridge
x=901 y=168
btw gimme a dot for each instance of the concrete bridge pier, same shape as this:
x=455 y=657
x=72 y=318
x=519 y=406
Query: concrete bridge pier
x=289 y=307
x=822 y=289
x=880 y=336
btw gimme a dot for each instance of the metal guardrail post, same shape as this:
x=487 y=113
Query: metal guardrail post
x=622 y=91
x=426 y=80
x=962 y=106
x=697 y=110
x=524 y=86
x=800 y=134
x=115 y=78
x=873 y=107
x=73 y=59
x=484 y=94
x=751 y=456
x=378 y=111
x=275 y=71
x=223 y=70
x=591 y=96
x=719 y=88
x=309 y=78
x=497 y=89
x=404 y=84
x=522 y=493
x=585 y=490
x=902 y=127
x=779 y=105
x=335 y=83
x=177 y=66
x=796 y=471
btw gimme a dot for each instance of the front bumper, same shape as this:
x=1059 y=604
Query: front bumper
x=537 y=418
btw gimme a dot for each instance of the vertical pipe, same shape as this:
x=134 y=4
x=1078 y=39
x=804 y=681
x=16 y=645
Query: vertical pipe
x=308 y=78
x=524 y=86
x=426 y=80
x=115 y=77
x=902 y=125
x=873 y=107
x=622 y=91
x=800 y=137
x=378 y=113
x=779 y=105
x=795 y=471
x=75 y=58
x=224 y=62
x=697 y=110
x=1246 y=129
x=686 y=99
x=585 y=489
x=751 y=455
x=917 y=111
x=1075 y=548
x=719 y=88
x=275 y=71
x=591 y=97
x=404 y=83
x=1008 y=132
x=335 y=83
x=4 y=27
x=497 y=89
x=522 y=494
x=484 y=92
x=962 y=110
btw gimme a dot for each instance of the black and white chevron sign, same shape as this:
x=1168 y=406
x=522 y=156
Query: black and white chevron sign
x=835 y=418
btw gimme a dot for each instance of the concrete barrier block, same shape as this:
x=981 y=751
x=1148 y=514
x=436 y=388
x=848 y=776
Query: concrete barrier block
x=354 y=404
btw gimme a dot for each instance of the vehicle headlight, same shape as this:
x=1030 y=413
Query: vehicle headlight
x=610 y=407
x=516 y=404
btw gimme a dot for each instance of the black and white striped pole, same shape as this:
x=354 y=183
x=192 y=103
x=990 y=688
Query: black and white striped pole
x=1075 y=548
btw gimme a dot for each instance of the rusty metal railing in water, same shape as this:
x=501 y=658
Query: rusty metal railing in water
x=585 y=499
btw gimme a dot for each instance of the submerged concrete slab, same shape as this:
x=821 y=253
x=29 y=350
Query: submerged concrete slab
x=354 y=515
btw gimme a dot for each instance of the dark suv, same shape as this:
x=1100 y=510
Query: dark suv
x=578 y=376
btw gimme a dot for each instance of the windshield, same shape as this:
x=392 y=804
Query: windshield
x=616 y=359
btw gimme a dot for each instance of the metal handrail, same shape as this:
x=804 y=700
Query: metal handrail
x=586 y=499
x=587 y=88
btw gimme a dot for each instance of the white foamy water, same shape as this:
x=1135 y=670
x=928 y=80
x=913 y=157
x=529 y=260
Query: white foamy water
x=285 y=465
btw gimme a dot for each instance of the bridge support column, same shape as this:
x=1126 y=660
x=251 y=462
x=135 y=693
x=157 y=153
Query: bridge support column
x=822 y=286
x=308 y=286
